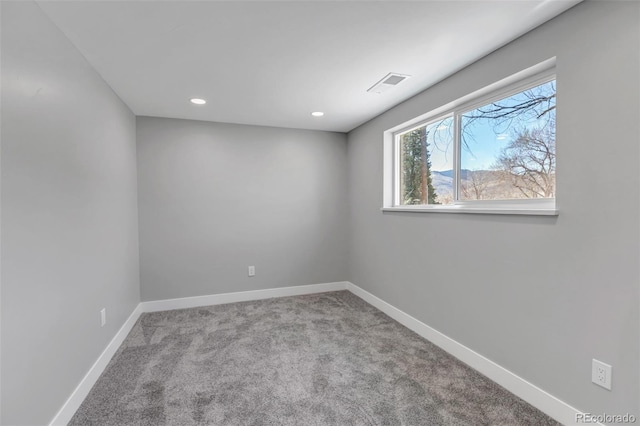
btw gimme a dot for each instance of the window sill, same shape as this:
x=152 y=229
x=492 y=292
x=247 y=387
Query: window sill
x=475 y=210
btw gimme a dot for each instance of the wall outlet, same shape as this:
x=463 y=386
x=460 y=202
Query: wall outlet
x=103 y=317
x=601 y=374
x=252 y=271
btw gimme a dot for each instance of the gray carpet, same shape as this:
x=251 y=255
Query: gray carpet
x=322 y=359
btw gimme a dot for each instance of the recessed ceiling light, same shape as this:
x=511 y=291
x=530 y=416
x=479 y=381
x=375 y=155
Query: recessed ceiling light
x=198 y=101
x=317 y=114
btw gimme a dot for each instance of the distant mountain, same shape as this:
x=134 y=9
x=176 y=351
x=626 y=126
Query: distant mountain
x=449 y=173
x=443 y=185
x=479 y=185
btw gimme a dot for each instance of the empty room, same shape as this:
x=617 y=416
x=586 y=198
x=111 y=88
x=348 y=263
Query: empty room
x=320 y=212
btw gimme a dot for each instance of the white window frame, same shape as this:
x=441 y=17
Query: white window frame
x=531 y=77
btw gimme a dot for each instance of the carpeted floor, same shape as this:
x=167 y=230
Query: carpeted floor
x=322 y=359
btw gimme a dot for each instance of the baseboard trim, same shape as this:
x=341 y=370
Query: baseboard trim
x=241 y=296
x=545 y=402
x=72 y=404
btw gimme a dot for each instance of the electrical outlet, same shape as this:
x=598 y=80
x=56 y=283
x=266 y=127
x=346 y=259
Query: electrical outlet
x=103 y=317
x=601 y=374
x=252 y=271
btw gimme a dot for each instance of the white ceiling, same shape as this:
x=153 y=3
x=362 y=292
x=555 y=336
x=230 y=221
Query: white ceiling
x=274 y=62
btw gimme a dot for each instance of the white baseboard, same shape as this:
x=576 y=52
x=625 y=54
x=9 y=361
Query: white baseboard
x=543 y=401
x=241 y=296
x=72 y=404
x=82 y=390
x=535 y=396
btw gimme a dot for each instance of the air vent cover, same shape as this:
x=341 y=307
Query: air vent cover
x=389 y=80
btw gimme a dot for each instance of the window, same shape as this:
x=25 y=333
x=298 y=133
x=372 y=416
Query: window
x=491 y=152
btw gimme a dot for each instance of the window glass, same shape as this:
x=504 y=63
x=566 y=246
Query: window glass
x=426 y=164
x=508 y=147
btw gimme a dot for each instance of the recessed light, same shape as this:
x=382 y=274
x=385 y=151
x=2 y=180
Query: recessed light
x=317 y=114
x=198 y=101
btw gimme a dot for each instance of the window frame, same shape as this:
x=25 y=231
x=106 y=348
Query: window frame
x=517 y=83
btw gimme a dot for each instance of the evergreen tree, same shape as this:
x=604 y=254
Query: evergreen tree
x=417 y=184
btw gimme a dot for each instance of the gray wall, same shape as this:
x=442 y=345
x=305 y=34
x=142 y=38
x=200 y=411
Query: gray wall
x=540 y=296
x=69 y=216
x=216 y=198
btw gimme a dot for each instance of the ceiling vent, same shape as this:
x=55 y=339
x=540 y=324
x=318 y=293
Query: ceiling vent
x=390 y=80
